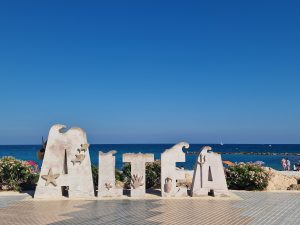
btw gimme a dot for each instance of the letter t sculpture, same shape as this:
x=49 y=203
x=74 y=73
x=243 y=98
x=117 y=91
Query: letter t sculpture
x=138 y=172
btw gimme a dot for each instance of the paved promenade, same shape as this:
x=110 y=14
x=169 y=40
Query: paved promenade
x=252 y=208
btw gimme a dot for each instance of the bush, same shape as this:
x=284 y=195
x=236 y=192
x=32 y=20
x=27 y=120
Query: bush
x=119 y=175
x=16 y=175
x=31 y=182
x=246 y=176
x=95 y=176
x=152 y=174
x=126 y=174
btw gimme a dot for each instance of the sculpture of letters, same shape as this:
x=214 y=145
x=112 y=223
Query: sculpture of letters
x=106 y=179
x=209 y=174
x=169 y=172
x=66 y=169
x=138 y=175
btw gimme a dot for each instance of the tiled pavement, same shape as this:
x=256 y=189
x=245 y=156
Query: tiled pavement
x=254 y=208
x=10 y=199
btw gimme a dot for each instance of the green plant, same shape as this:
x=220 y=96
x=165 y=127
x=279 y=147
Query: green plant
x=246 y=176
x=16 y=175
x=31 y=182
x=119 y=175
x=95 y=176
x=126 y=174
x=152 y=174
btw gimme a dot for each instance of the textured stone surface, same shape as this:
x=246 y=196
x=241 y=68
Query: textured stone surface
x=138 y=172
x=281 y=180
x=169 y=172
x=209 y=174
x=294 y=187
x=106 y=179
x=255 y=208
x=66 y=157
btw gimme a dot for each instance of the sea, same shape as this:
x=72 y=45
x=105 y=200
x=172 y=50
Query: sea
x=28 y=152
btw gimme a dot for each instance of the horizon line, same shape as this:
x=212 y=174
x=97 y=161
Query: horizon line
x=166 y=144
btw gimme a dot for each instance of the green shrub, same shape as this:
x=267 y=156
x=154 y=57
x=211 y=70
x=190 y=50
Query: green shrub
x=95 y=176
x=152 y=174
x=16 y=175
x=119 y=175
x=31 y=182
x=246 y=176
x=126 y=174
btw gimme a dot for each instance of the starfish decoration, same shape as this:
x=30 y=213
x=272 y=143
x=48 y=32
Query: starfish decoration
x=108 y=186
x=50 y=178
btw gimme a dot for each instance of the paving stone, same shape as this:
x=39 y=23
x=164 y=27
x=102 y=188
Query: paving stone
x=254 y=208
x=7 y=200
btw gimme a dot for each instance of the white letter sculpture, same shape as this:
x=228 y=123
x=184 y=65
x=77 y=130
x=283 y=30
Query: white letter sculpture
x=209 y=175
x=169 y=172
x=106 y=179
x=66 y=169
x=138 y=175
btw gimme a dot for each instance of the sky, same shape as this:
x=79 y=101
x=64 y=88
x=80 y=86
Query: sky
x=151 y=71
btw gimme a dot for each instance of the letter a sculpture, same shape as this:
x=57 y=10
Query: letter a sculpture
x=66 y=169
x=138 y=172
x=209 y=174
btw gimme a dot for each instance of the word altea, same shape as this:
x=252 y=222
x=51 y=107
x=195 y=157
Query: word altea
x=66 y=170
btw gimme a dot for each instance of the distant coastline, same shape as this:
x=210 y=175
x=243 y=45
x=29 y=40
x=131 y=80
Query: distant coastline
x=28 y=152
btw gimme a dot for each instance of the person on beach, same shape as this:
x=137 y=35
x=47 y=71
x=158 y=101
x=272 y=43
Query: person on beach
x=298 y=166
x=294 y=167
x=283 y=163
x=288 y=164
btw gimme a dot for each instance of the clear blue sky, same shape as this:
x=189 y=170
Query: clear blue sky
x=151 y=71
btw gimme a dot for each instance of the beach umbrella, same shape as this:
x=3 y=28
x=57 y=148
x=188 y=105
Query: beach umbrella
x=228 y=163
